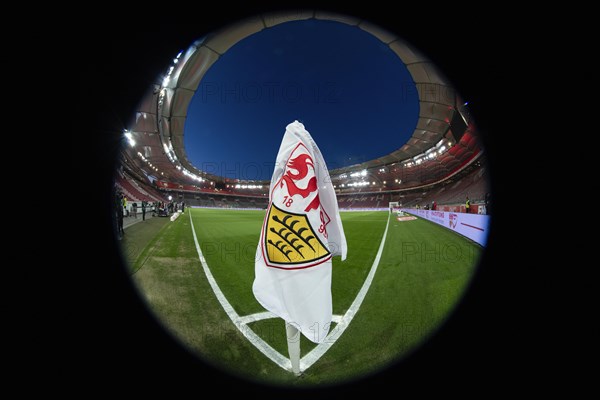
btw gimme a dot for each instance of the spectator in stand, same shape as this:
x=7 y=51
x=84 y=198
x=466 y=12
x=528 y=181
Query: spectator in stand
x=143 y=210
x=134 y=209
x=467 y=205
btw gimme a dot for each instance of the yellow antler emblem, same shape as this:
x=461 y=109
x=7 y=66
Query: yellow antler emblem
x=290 y=239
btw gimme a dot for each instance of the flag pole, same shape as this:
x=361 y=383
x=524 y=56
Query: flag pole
x=293 y=341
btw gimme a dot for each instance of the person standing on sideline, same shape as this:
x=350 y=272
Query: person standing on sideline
x=125 y=210
x=119 y=205
x=182 y=206
x=467 y=205
x=143 y=210
x=134 y=209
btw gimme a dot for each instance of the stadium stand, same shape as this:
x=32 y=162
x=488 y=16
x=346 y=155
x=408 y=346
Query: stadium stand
x=442 y=161
x=137 y=191
x=449 y=194
x=223 y=200
x=473 y=185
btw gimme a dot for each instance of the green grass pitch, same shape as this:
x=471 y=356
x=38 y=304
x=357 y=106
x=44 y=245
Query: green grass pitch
x=423 y=271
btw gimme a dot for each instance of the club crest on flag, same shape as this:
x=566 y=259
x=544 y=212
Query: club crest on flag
x=291 y=242
x=295 y=228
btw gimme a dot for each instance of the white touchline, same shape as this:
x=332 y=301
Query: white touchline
x=334 y=335
x=260 y=344
x=316 y=353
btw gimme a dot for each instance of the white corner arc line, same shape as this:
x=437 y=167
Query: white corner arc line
x=313 y=356
x=336 y=318
x=248 y=319
x=260 y=344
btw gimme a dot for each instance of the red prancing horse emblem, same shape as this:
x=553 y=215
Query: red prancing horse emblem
x=301 y=165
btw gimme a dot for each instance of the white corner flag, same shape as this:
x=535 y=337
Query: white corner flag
x=301 y=232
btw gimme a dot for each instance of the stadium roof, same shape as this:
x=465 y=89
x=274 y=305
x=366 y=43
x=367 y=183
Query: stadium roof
x=159 y=122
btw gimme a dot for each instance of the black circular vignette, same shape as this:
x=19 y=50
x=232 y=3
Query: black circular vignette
x=125 y=345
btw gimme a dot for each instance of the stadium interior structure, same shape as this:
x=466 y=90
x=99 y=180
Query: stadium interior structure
x=443 y=161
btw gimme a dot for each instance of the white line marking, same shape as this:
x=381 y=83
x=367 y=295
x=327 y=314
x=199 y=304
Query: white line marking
x=313 y=356
x=260 y=344
x=316 y=353
x=257 y=317
x=248 y=319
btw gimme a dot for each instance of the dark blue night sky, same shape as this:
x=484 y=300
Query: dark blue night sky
x=351 y=92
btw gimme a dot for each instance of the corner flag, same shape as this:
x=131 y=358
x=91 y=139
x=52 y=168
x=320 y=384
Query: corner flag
x=301 y=232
